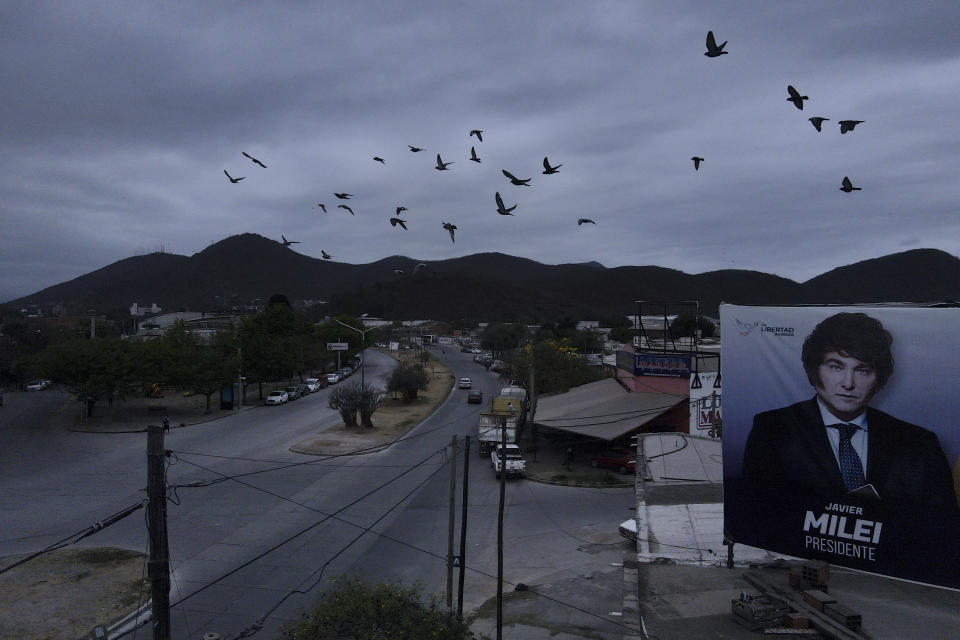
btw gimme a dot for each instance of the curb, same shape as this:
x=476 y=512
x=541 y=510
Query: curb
x=80 y=429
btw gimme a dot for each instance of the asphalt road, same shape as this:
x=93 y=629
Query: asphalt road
x=240 y=548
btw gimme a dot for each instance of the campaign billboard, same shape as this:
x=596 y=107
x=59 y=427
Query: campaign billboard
x=705 y=404
x=840 y=440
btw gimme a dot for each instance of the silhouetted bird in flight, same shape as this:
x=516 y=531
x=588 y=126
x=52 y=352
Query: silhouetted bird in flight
x=547 y=169
x=232 y=179
x=287 y=243
x=848 y=125
x=379 y=159
x=398 y=272
x=343 y=196
x=473 y=155
x=696 y=162
x=420 y=265
x=322 y=206
x=398 y=221
x=254 y=159
x=817 y=121
x=501 y=209
x=415 y=149
x=441 y=165
x=795 y=97
x=326 y=256
x=478 y=133
x=848 y=186
x=343 y=206
x=515 y=180
x=713 y=50
x=451 y=228
x=401 y=208
x=588 y=220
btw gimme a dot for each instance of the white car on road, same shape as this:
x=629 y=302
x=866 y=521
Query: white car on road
x=276 y=397
x=464 y=383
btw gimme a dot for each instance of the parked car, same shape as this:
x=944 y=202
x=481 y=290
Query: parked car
x=333 y=378
x=623 y=460
x=276 y=397
x=37 y=385
x=465 y=383
x=475 y=397
x=293 y=392
x=315 y=384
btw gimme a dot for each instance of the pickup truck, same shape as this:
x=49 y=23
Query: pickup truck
x=515 y=463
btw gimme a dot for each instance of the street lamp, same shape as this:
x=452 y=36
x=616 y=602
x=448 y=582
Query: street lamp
x=363 y=345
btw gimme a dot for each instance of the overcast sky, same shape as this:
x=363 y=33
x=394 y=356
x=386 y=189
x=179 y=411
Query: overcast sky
x=118 y=121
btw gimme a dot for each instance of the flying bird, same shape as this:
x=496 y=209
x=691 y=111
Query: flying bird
x=515 y=180
x=254 y=159
x=398 y=221
x=232 y=179
x=547 y=169
x=343 y=196
x=588 y=220
x=451 y=228
x=441 y=165
x=379 y=159
x=398 y=272
x=322 y=206
x=714 y=51
x=795 y=97
x=817 y=121
x=401 y=208
x=420 y=265
x=343 y=206
x=287 y=243
x=848 y=186
x=696 y=162
x=473 y=155
x=501 y=209
x=848 y=125
x=326 y=256
x=478 y=133
x=415 y=149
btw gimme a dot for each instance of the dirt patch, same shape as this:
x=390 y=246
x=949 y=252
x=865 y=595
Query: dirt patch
x=391 y=420
x=62 y=595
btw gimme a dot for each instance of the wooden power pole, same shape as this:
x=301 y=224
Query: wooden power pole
x=463 y=525
x=451 y=521
x=158 y=567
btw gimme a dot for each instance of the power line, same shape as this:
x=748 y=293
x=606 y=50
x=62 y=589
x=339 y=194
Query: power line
x=79 y=535
x=299 y=533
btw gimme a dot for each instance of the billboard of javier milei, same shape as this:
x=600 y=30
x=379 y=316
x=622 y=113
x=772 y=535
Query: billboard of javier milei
x=840 y=435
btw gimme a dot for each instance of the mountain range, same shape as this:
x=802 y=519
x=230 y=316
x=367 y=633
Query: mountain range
x=242 y=269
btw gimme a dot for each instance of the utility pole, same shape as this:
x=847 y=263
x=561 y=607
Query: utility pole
x=532 y=399
x=158 y=567
x=451 y=520
x=463 y=525
x=503 y=489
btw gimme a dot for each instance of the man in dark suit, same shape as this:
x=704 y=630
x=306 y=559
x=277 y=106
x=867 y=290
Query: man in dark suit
x=834 y=454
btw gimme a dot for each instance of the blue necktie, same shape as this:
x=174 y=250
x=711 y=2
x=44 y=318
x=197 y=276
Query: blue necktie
x=851 y=468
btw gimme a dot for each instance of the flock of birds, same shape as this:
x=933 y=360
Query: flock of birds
x=714 y=50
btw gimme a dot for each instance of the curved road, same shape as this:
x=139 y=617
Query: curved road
x=278 y=523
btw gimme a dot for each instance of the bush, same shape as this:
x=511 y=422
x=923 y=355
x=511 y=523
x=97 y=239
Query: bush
x=364 y=398
x=358 y=611
x=408 y=380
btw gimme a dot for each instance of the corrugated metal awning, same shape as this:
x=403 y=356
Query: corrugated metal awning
x=603 y=409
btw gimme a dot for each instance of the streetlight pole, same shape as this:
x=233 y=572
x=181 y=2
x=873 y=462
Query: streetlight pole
x=363 y=346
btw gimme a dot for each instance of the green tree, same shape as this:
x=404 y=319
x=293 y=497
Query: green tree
x=278 y=342
x=557 y=364
x=358 y=611
x=500 y=338
x=192 y=364
x=368 y=398
x=93 y=369
x=407 y=380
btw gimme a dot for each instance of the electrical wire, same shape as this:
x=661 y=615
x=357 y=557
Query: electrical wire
x=302 y=531
x=258 y=624
x=79 y=535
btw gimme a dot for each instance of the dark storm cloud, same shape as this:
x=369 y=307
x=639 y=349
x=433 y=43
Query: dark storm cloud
x=118 y=121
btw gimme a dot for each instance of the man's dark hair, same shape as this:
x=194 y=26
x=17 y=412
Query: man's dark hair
x=854 y=335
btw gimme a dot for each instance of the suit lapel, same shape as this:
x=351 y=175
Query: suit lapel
x=813 y=434
x=878 y=465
